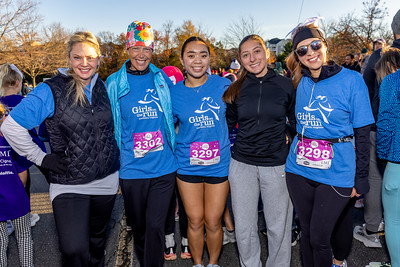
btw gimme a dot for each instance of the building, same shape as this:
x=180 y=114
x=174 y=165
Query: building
x=276 y=45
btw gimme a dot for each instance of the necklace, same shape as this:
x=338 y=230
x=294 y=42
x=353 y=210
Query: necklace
x=197 y=88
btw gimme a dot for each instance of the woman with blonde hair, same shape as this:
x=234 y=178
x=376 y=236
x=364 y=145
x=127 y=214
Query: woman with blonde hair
x=84 y=163
x=322 y=173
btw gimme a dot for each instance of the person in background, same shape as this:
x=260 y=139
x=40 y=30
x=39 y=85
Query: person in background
x=145 y=133
x=350 y=64
x=10 y=96
x=364 y=59
x=323 y=170
x=14 y=202
x=373 y=213
x=176 y=209
x=83 y=178
x=388 y=146
x=260 y=102
x=379 y=44
x=203 y=149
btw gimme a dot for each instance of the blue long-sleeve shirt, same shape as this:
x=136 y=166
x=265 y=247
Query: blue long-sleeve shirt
x=388 y=124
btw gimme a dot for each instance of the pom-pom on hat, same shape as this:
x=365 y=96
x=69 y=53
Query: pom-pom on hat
x=173 y=73
x=139 y=34
x=235 y=64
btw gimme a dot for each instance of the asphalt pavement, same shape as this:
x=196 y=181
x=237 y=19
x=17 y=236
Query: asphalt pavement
x=119 y=242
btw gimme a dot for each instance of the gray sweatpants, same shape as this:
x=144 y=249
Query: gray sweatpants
x=373 y=199
x=246 y=182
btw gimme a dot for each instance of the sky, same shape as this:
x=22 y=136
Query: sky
x=276 y=18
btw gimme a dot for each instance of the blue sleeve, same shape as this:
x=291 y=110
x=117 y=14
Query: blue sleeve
x=172 y=91
x=360 y=107
x=389 y=108
x=167 y=79
x=35 y=107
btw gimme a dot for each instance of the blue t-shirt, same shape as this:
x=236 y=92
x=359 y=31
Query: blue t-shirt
x=331 y=108
x=142 y=117
x=200 y=113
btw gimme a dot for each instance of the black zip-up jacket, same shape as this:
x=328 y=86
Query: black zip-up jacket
x=261 y=110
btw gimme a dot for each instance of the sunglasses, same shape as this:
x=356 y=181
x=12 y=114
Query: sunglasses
x=302 y=50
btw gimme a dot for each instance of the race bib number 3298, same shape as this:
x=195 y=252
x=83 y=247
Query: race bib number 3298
x=314 y=153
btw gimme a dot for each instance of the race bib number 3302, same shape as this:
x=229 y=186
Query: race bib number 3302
x=204 y=153
x=147 y=142
x=314 y=153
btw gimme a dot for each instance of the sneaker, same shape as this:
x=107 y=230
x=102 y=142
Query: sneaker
x=10 y=227
x=34 y=219
x=170 y=247
x=359 y=203
x=170 y=253
x=296 y=234
x=229 y=237
x=185 y=251
x=213 y=265
x=371 y=241
x=379 y=264
x=198 y=265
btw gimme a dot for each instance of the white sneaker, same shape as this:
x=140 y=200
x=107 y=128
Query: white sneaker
x=10 y=227
x=34 y=219
x=371 y=241
x=229 y=237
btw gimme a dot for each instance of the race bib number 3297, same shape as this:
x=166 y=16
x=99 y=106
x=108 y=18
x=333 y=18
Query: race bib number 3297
x=204 y=153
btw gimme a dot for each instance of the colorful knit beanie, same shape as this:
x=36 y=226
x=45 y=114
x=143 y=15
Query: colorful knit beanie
x=139 y=34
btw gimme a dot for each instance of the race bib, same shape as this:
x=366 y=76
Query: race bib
x=314 y=153
x=205 y=154
x=146 y=142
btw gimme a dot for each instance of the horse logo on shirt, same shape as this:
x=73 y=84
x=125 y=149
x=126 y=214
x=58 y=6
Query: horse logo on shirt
x=150 y=97
x=209 y=105
x=320 y=104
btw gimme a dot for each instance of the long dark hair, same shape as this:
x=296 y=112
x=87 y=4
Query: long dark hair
x=233 y=90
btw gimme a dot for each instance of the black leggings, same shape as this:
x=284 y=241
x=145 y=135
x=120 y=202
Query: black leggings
x=342 y=236
x=146 y=206
x=318 y=207
x=82 y=222
x=183 y=221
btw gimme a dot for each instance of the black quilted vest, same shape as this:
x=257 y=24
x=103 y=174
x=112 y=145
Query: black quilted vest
x=84 y=134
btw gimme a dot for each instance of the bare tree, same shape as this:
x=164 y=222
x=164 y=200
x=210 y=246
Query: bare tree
x=351 y=33
x=239 y=29
x=164 y=53
x=15 y=14
x=114 y=53
x=36 y=54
